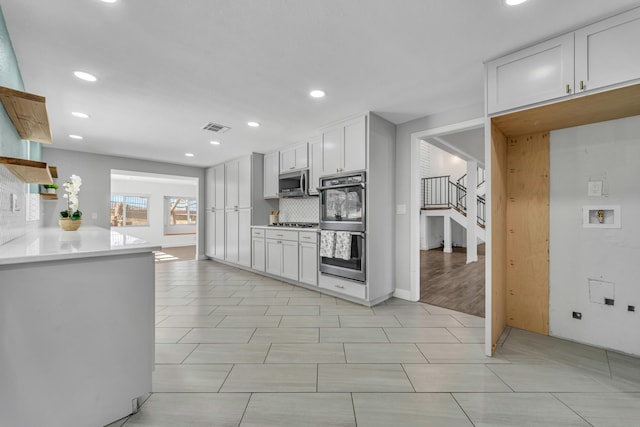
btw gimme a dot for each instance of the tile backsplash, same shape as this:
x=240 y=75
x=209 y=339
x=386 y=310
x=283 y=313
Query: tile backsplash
x=299 y=210
x=12 y=224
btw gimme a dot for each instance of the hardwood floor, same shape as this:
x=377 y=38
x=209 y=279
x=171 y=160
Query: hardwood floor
x=446 y=280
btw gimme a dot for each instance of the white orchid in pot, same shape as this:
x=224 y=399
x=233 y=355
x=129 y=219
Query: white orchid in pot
x=70 y=219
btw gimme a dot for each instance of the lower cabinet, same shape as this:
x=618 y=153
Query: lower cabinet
x=282 y=258
x=308 y=263
x=258 y=253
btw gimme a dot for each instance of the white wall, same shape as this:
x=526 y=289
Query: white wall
x=609 y=152
x=443 y=163
x=432 y=233
x=156 y=191
x=403 y=182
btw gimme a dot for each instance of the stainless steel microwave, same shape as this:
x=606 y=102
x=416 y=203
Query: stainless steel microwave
x=294 y=184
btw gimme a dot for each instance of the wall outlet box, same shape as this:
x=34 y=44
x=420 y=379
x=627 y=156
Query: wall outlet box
x=594 y=189
x=577 y=315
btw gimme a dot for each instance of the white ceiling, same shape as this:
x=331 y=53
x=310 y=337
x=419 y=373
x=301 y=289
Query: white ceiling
x=167 y=67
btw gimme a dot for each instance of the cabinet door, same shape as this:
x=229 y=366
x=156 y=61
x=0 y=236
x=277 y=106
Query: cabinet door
x=232 y=223
x=355 y=144
x=218 y=174
x=271 y=175
x=301 y=156
x=289 y=259
x=244 y=237
x=258 y=253
x=332 y=150
x=244 y=182
x=315 y=161
x=539 y=73
x=607 y=51
x=210 y=196
x=219 y=244
x=287 y=160
x=232 y=170
x=308 y=263
x=274 y=256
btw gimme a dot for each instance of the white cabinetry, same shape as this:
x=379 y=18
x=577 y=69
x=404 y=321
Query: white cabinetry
x=536 y=74
x=607 y=52
x=282 y=253
x=315 y=163
x=593 y=57
x=344 y=147
x=238 y=211
x=271 y=175
x=294 y=158
x=273 y=261
x=215 y=199
x=308 y=258
x=257 y=249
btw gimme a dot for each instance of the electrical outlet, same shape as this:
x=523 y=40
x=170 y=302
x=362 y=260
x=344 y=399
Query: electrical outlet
x=577 y=315
x=631 y=308
x=608 y=301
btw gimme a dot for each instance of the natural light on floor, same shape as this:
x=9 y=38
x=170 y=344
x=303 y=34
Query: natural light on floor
x=161 y=256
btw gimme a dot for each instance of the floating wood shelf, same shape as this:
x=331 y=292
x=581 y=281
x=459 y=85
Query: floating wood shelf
x=28 y=171
x=53 y=171
x=49 y=196
x=28 y=113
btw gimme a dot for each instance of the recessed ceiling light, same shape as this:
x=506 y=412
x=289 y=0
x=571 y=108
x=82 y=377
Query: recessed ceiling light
x=85 y=76
x=109 y=1
x=514 y=2
x=317 y=93
x=76 y=137
x=81 y=115
x=214 y=142
x=253 y=124
x=189 y=154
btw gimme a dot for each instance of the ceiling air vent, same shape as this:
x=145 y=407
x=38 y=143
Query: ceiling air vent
x=215 y=127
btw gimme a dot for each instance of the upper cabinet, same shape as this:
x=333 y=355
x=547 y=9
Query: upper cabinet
x=344 y=147
x=271 y=175
x=294 y=158
x=238 y=183
x=599 y=55
x=607 y=52
x=315 y=163
x=536 y=74
x=28 y=113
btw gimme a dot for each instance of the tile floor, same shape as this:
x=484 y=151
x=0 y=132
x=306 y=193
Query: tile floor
x=238 y=349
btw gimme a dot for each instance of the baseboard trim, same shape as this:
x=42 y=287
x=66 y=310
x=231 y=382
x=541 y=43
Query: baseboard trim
x=404 y=294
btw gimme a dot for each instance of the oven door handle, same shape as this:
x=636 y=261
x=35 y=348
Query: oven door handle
x=331 y=187
x=358 y=234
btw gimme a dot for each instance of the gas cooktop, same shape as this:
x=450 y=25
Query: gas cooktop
x=295 y=224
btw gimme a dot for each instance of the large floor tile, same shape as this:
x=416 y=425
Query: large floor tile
x=458 y=353
x=468 y=335
x=365 y=335
x=547 y=378
x=605 y=409
x=189 y=378
x=216 y=301
x=255 y=294
x=383 y=353
x=299 y=409
x=427 y=321
x=191 y=409
x=228 y=353
x=362 y=378
x=240 y=310
x=297 y=293
x=310 y=322
x=420 y=335
x=454 y=378
x=295 y=310
x=186 y=310
x=190 y=321
x=264 y=301
x=408 y=410
x=470 y=321
x=382 y=321
x=285 y=335
x=398 y=309
x=624 y=367
x=312 y=301
x=345 y=310
x=218 y=335
x=306 y=353
x=271 y=378
x=170 y=335
x=517 y=409
x=168 y=301
x=173 y=353
x=250 y=322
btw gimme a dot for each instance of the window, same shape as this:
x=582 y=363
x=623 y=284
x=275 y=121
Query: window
x=129 y=211
x=181 y=215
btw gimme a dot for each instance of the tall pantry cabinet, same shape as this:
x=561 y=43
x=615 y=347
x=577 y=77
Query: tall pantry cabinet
x=234 y=203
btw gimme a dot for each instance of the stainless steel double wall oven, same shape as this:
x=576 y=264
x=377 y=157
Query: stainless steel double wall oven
x=342 y=209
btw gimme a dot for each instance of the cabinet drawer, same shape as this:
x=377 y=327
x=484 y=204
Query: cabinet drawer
x=346 y=287
x=282 y=235
x=257 y=232
x=308 y=237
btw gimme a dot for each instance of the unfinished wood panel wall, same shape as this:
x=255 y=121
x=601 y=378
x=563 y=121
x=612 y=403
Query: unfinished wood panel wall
x=498 y=233
x=527 y=296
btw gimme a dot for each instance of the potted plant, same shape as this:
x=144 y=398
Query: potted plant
x=71 y=219
x=50 y=188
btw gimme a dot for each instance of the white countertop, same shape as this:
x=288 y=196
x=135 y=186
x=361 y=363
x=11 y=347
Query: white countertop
x=272 y=227
x=52 y=243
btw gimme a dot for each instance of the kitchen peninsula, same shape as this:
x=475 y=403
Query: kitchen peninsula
x=77 y=329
